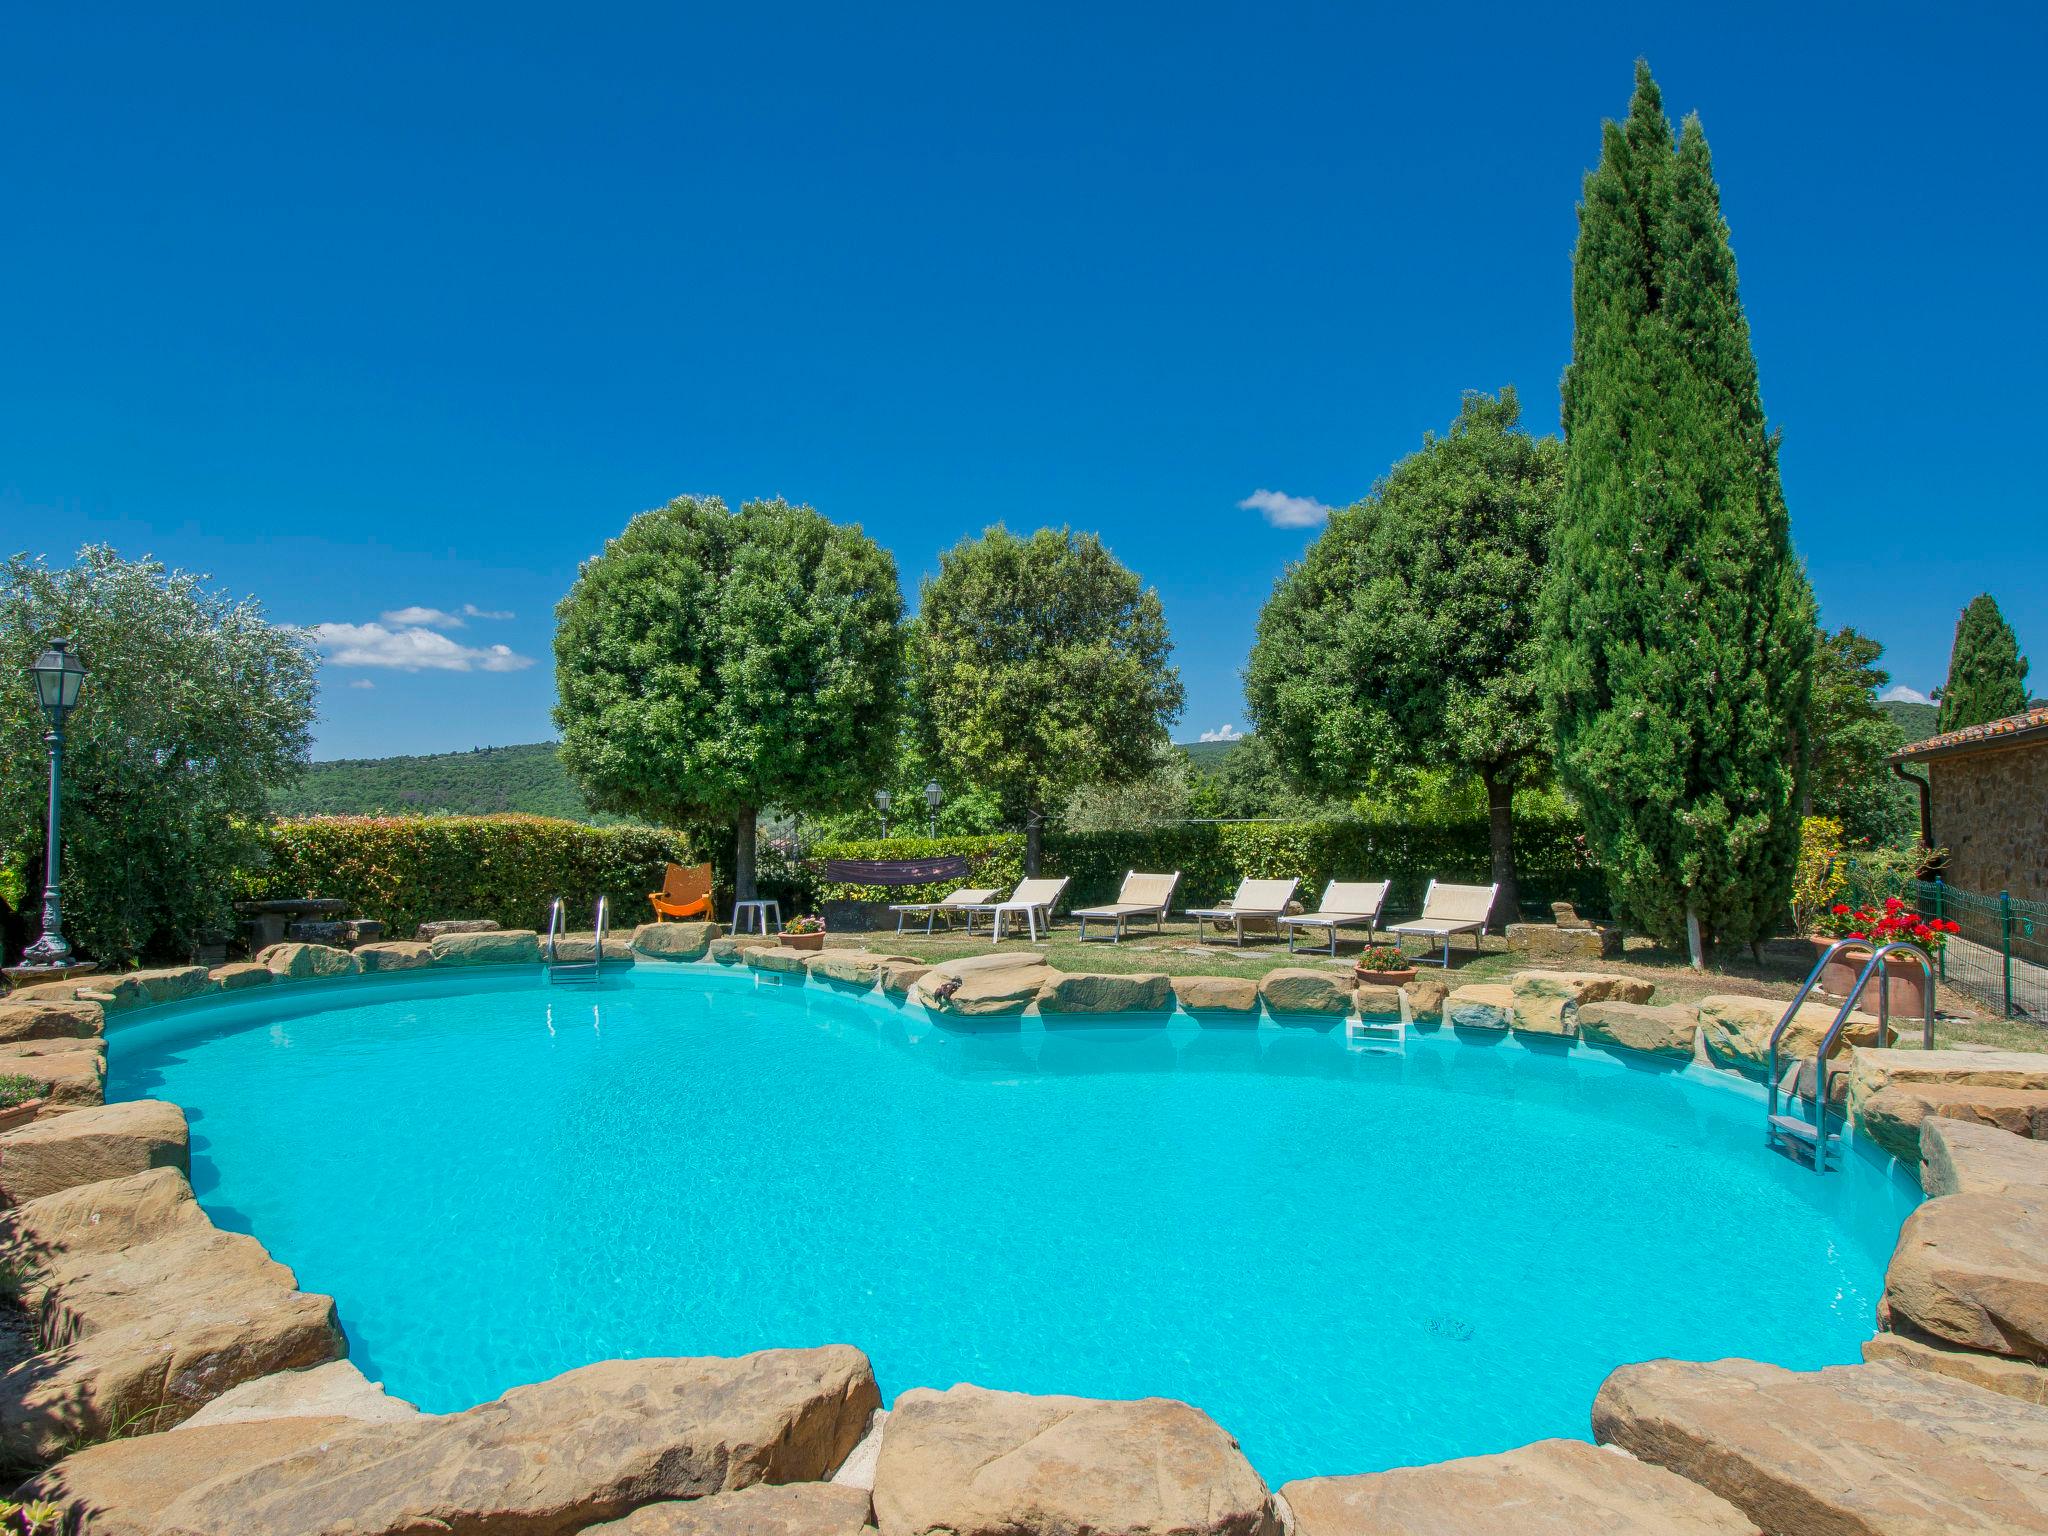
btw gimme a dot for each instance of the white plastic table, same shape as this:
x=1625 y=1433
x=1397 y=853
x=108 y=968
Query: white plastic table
x=1029 y=910
x=747 y=916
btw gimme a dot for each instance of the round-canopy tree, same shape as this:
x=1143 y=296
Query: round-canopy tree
x=196 y=707
x=1406 y=637
x=1987 y=675
x=1039 y=665
x=711 y=663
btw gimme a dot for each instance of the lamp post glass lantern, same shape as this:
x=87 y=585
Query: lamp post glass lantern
x=882 y=806
x=59 y=677
x=932 y=796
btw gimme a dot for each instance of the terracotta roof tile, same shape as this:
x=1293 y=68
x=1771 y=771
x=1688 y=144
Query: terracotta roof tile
x=1992 y=733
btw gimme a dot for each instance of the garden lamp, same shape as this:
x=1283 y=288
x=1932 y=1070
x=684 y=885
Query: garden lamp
x=882 y=805
x=932 y=796
x=59 y=677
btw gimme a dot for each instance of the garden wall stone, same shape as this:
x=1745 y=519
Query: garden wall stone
x=990 y=985
x=158 y=1312
x=108 y=1141
x=1217 y=994
x=1963 y=1157
x=675 y=941
x=766 y=1509
x=860 y=968
x=1143 y=992
x=306 y=962
x=428 y=932
x=779 y=958
x=1737 y=1030
x=1373 y=1000
x=899 y=977
x=1667 y=1029
x=1304 y=990
x=1426 y=996
x=1551 y=1488
x=1996 y=1373
x=1972 y=1270
x=50 y=1019
x=1873 y=1070
x=1893 y=1115
x=75 y=1070
x=136 y=989
x=240 y=976
x=971 y=1462
x=590 y=1445
x=1547 y=1002
x=506 y=946
x=581 y=948
x=1547 y=941
x=1853 y=1450
x=395 y=955
x=1481 y=1005
x=336 y=1390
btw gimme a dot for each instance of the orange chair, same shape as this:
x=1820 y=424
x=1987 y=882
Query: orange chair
x=684 y=893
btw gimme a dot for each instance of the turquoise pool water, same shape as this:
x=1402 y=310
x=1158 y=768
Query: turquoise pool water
x=1352 y=1260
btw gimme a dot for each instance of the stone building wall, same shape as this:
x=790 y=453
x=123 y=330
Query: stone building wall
x=1991 y=813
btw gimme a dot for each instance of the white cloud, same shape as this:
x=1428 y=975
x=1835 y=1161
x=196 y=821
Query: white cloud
x=412 y=648
x=1284 y=511
x=362 y=682
x=1899 y=693
x=471 y=611
x=1223 y=733
x=432 y=618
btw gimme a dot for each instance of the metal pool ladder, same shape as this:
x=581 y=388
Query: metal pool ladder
x=1810 y=1140
x=577 y=970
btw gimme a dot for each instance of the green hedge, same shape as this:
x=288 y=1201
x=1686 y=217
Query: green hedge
x=1553 y=862
x=406 y=870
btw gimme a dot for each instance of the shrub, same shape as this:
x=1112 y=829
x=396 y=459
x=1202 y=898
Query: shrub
x=406 y=870
x=993 y=859
x=1819 y=879
x=16 y=1089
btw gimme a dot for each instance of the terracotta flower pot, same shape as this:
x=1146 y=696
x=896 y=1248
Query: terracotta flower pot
x=20 y=1114
x=1908 y=987
x=1399 y=978
x=804 y=940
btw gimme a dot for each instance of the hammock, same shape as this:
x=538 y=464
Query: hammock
x=895 y=871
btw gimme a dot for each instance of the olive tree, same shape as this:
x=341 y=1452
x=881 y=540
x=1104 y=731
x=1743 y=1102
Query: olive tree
x=196 y=707
x=1038 y=665
x=712 y=663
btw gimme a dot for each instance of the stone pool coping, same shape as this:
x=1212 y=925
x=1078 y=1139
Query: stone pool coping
x=1962 y=1341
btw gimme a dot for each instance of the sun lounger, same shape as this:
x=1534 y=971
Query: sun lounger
x=965 y=900
x=1141 y=896
x=1449 y=909
x=1354 y=904
x=1032 y=900
x=683 y=893
x=1255 y=898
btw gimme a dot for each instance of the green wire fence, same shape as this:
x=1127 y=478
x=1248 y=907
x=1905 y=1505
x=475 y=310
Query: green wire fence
x=2001 y=955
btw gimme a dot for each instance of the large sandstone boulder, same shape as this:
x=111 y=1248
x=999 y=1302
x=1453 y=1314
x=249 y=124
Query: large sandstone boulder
x=1217 y=994
x=1737 y=1030
x=138 y=989
x=336 y=1390
x=1548 y=1002
x=508 y=946
x=588 y=1446
x=1894 y=1115
x=151 y=1309
x=241 y=976
x=1964 y=1157
x=766 y=1509
x=74 y=1076
x=1148 y=992
x=856 y=968
x=997 y=983
x=108 y=1141
x=970 y=1462
x=1666 y=1030
x=1295 y=989
x=779 y=958
x=1873 y=1070
x=733 y=950
x=1548 y=941
x=1972 y=1270
x=1372 y=1000
x=1551 y=1488
x=899 y=976
x=1854 y=1450
x=2022 y=1379
x=1426 y=996
x=1481 y=1005
x=50 y=1019
x=395 y=955
x=308 y=962
x=428 y=932
x=675 y=941
x=581 y=948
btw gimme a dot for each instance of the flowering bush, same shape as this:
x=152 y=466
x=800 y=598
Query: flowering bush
x=1892 y=923
x=1383 y=957
x=804 y=925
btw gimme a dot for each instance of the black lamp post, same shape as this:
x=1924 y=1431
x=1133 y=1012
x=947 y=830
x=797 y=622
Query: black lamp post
x=882 y=805
x=932 y=796
x=59 y=676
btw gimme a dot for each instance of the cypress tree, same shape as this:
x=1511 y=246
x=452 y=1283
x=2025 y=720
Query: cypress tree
x=1987 y=675
x=1680 y=624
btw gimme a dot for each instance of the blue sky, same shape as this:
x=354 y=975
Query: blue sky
x=366 y=309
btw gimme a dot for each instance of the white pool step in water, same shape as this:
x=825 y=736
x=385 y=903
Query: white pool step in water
x=1792 y=1125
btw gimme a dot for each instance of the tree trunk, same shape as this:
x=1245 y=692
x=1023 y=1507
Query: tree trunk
x=743 y=856
x=1034 y=827
x=1500 y=825
x=1692 y=936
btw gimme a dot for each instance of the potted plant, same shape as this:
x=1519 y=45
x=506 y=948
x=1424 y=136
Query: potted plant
x=804 y=933
x=1891 y=922
x=1384 y=965
x=21 y=1099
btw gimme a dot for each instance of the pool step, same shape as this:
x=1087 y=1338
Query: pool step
x=1788 y=1133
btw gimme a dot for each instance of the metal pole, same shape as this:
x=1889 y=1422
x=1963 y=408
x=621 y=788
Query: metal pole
x=2005 y=943
x=1940 y=891
x=52 y=949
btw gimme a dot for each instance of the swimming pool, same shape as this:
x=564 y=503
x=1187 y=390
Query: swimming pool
x=1352 y=1260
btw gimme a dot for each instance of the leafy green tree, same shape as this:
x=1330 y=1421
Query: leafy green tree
x=1039 y=665
x=1987 y=675
x=1680 y=626
x=1849 y=779
x=195 y=708
x=1248 y=784
x=712 y=663
x=1164 y=795
x=1406 y=637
